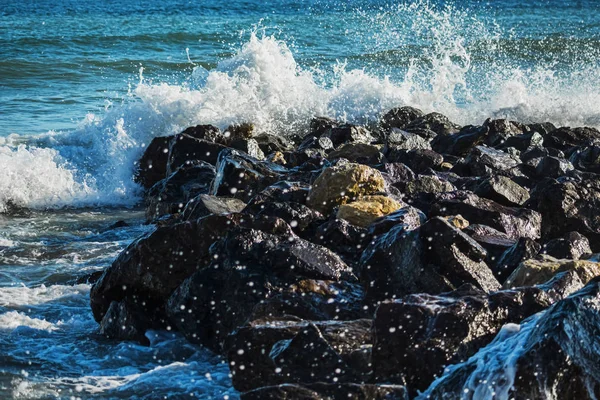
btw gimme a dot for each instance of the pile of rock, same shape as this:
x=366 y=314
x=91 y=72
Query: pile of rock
x=361 y=262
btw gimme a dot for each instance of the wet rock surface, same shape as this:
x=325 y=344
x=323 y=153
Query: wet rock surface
x=397 y=260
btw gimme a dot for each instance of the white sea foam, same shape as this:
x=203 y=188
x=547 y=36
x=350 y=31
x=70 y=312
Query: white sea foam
x=23 y=296
x=13 y=320
x=263 y=83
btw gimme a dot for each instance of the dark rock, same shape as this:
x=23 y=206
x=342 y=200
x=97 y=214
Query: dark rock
x=586 y=159
x=271 y=143
x=89 y=279
x=391 y=267
x=283 y=191
x=203 y=205
x=503 y=190
x=525 y=141
x=455 y=255
x=321 y=125
x=126 y=320
x=297 y=215
x=557 y=355
x=523 y=249
x=242 y=176
x=493 y=241
x=152 y=167
x=328 y=391
x=397 y=172
x=277 y=352
x=553 y=167
x=400 y=117
x=361 y=153
x=566 y=139
x=572 y=246
x=485 y=161
x=315 y=142
x=459 y=144
x=248 y=146
x=170 y=195
x=420 y=160
x=398 y=142
x=343 y=238
x=501 y=130
x=349 y=134
x=436 y=122
x=418 y=336
x=543 y=128
x=185 y=149
x=515 y=222
x=408 y=217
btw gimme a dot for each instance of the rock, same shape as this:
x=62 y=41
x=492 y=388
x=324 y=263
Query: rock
x=320 y=125
x=460 y=143
x=503 y=190
x=436 y=122
x=242 y=176
x=493 y=241
x=523 y=249
x=566 y=139
x=409 y=217
x=278 y=352
x=270 y=144
x=349 y=134
x=185 y=149
x=152 y=167
x=343 y=238
x=248 y=146
x=455 y=255
x=170 y=195
x=398 y=142
x=572 y=246
x=367 y=209
x=342 y=184
x=417 y=336
x=298 y=216
x=400 y=117
x=203 y=205
x=397 y=172
x=155 y=264
x=553 y=167
x=126 y=320
x=457 y=221
x=570 y=206
x=244 y=130
x=485 y=161
x=534 y=272
x=328 y=391
x=419 y=160
x=391 y=266
x=586 y=159
x=525 y=141
x=205 y=132
x=501 y=130
x=515 y=222
x=557 y=356
x=248 y=267
x=361 y=153
x=316 y=142
x=277 y=158
x=117 y=225
x=283 y=191
x=426 y=184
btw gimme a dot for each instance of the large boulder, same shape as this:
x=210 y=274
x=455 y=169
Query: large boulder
x=152 y=166
x=399 y=117
x=503 y=190
x=552 y=355
x=342 y=184
x=573 y=245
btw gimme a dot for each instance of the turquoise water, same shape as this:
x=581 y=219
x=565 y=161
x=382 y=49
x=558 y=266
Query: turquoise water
x=85 y=85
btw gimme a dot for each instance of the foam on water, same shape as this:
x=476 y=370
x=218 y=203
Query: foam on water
x=262 y=83
x=25 y=296
x=13 y=320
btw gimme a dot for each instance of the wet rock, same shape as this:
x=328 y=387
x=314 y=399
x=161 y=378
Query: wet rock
x=417 y=336
x=391 y=266
x=515 y=222
x=205 y=132
x=316 y=142
x=248 y=267
x=320 y=125
x=277 y=158
x=361 y=153
x=503 y=190
x=152 y=166
x=349 y=134
x=278 y=352
x=203 y=205
x=400 y=117
x=328 y=391
x=367 y=209
x=525 y=141
x=420 y=160
x=244 y=130
x=455 y=255
x=426 y=184
x=572 y=246
x=155 y=264
x=270 y=144
x=342 y=184
x=534 y=272
x=586 y=159
x=283 y=191
x=460 y=143
x=297 y=215
x=436 y=122
x=523 y=249
x=457 y=221
x=126 y=320
x=501 y=130
x=566 y=139
x=343 y=238
x=185 y=149
x=557 y=356
x=242 y=176
x=409 y=217
x=248 y=146
x=117 y=225
x=397 y=172
x=170 y=195
x=485 y=161
x=493 y=241
x=570 y=206
x=553 y=167
x=398 y=142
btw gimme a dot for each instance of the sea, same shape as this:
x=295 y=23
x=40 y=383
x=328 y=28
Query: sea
x=86 y=84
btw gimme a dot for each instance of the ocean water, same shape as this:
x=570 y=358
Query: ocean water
x=85 y=86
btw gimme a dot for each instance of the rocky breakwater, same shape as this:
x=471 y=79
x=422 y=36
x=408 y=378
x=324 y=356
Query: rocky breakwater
x=372 y=262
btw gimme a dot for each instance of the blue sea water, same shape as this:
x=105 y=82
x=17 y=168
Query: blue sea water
x=85 y=85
